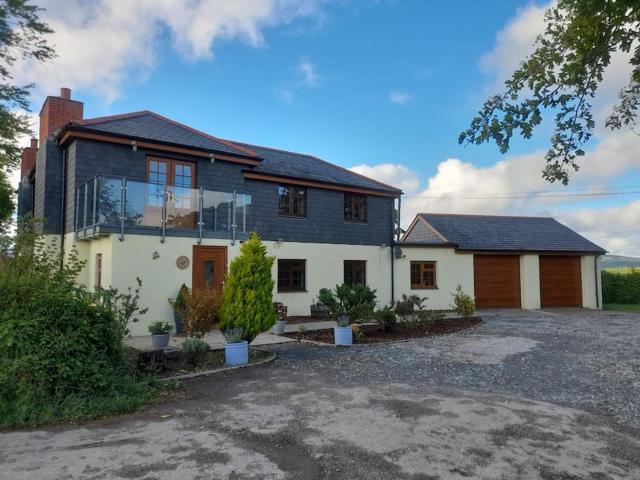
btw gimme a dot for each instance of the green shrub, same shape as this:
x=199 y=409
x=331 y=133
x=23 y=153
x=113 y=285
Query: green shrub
x=386 y=318
x=357 y=302
x=247 y=301
x=123 y=305
x=463 y=303
x=159 y=328
x=180 y=302
x=621 y=286
x=194 y=349
x=61 y=354
x=413 y=312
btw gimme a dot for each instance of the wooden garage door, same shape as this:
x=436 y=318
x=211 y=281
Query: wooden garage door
x=560 y=281
x=497 y=281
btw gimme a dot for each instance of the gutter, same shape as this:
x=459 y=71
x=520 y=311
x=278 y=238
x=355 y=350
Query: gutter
x=63 y=220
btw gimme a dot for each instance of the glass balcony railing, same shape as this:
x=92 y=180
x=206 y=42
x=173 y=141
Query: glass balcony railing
x=125 y=204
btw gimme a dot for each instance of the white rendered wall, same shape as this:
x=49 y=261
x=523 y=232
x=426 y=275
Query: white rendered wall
x=452 y=269
x=530 y=281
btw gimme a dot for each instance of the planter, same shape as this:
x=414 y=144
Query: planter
x=278 y=328
x=236 y=353
x=319 y=311
x=178 y=317
x=343 y=335
x=160 y=341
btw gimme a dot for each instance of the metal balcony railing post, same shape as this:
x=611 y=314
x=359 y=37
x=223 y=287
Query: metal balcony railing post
x=200 y=214
x=164 y=214
x=94 y=218
x=77 y=210
x=84 y=210
x=123 y=203
x=233 y=219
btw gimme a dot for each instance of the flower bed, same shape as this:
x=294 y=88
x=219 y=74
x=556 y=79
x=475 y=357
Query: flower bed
x=375 y=334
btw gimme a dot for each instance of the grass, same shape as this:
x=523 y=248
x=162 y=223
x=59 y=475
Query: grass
x=126 y=394
x=622 y=307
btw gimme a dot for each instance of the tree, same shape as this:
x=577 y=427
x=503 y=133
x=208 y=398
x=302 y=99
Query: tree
x=247 y=300
x=562 y=75
x=22 y=36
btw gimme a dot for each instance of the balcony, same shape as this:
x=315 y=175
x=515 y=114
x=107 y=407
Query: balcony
x=123 y=205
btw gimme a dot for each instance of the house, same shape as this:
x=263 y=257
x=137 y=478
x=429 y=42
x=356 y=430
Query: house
x=505 y=262
x=140 y=195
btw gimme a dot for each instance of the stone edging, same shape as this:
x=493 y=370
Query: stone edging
x=404 y=340
x=188 y=376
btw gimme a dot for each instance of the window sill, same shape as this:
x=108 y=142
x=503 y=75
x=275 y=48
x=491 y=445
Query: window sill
x=293 y=290
x=299 y=217
x=357 y=222
x=413 y=287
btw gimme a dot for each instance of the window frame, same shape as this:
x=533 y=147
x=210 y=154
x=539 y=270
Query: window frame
x=361 y=268
x=351 y=200
x=426 y=266
x=291 y=201
x=291 y=287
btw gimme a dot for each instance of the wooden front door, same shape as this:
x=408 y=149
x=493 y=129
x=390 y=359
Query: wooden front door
x=497 y=281
x=209 y=268
x=560 y=281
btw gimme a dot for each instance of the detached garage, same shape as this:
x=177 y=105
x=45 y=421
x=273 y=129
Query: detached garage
x=504 y=262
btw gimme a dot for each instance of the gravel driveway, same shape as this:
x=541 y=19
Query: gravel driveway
x=549 y=395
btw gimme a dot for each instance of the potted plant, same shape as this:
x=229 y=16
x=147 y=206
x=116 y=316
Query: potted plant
x=236 y=350
x=342 y=332
x=247 y=299
x=179 y=304
x=160 y=334
x=281 y=318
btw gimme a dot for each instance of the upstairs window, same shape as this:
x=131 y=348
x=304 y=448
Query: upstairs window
x=291 y=275
x=355 y=271
x=292 y=201
x=423 y=275
x=355 y=207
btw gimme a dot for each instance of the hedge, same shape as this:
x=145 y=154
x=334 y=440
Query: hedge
x=621 y=286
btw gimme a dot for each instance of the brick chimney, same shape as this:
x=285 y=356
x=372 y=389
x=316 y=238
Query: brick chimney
x=57 y=112
x=28 y=158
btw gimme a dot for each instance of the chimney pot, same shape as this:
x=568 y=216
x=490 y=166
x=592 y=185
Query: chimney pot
x=65 y=93
x=34 y=143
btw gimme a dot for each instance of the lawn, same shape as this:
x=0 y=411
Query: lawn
x=622 y=307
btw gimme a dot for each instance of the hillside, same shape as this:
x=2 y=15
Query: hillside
x=619 y=261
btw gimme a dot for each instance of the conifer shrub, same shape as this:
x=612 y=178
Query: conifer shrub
x=247 y=300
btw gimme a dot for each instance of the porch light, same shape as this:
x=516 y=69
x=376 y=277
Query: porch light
x=134 y=146
x=212 y=157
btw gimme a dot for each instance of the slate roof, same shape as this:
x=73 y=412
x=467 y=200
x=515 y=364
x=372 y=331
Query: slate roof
x=151 y=126
x=503 y=233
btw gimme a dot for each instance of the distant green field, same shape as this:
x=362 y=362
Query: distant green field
x=621 y=269
x=622 y=307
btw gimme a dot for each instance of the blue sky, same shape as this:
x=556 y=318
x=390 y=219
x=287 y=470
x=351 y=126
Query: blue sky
x=383 y=87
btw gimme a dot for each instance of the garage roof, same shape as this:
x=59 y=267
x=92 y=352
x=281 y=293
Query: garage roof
x=497 y=233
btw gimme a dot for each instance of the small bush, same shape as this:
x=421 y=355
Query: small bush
x=201 y=312
x=180 y=302
x=358 y=334
x=357 y=302
x=621 y=286
x=386 y=318
x=159 y=328
x=123 y=305
x=463 y=303
x=247 y=301
x=413 y=312
x=194 y=349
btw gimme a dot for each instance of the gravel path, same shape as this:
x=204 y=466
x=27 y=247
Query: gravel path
x=526 y=395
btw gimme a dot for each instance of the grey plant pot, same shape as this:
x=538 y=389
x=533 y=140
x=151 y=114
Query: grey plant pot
x=178 y=319
x=160 y=341
x=278 y=328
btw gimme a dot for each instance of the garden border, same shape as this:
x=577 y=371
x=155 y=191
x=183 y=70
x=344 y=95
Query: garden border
x=323 y=344
x=188 y=376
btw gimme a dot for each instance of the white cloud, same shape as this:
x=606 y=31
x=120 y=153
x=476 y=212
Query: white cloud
x=399 y=97
x=392 y=174
x=102 y=43
x=308 y=73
